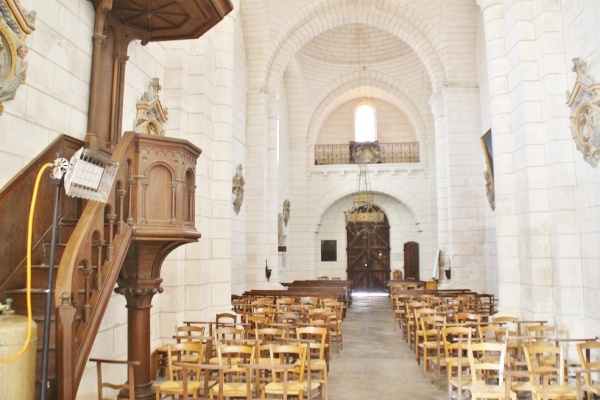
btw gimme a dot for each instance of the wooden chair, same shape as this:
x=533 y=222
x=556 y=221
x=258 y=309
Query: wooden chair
x=589 y=357
x=537 y=333
x=183 y=333
x=173 y=386
x=335 y=323
x=409 y=328
x=215 y=371
x=432 y=342
x=417 y=332
x=235 y=377
x=486 y=362
x=455 y=340
x=317 y=339
x=545 y=363
x=291 y=381
x=129 y=385
x=399 y=305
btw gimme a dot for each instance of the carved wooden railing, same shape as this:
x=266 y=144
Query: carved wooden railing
x=153 y=197
x=15 y=199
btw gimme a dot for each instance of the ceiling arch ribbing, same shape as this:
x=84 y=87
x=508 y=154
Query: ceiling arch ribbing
x=312 y=20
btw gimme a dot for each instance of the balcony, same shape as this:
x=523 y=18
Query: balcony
x=389 y=153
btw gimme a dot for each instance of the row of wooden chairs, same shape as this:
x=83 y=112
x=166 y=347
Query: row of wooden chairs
x=253 y=354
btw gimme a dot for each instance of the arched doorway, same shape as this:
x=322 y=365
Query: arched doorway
x=368 y=254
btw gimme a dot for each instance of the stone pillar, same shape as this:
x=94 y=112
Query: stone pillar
x=509 y=276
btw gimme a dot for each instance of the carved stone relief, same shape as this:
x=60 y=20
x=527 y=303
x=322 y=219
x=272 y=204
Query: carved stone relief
x=286 y=211
x=15 y=25
x=237 y=189
x=151 y=116
x=584 y=102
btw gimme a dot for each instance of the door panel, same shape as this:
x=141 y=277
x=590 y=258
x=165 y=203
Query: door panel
x=369 y=258
x=411 y=260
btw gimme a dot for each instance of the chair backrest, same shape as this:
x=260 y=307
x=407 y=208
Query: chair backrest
x=130 y=384
x=589 y=357
x=486 y=362
x=269 y=335
x=537 y=333
x=317 y=336
x=452 y=336
x=288 y=318
x=492 y=332
x=225 y=318
x=545 y=357
x=178 y=353
x=186 y=333
x=466 y=317
x=235 y=354
x=229 y=334
x=431 y=325
x=512 y=323
x=289 y=354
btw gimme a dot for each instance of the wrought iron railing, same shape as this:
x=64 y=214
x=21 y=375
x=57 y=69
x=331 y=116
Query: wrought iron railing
x=338 y=154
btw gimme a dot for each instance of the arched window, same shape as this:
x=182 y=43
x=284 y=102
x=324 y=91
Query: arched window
x=365 y=129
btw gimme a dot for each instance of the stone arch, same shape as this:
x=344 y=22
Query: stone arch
x=394 y=18
x=380 y=87
x=348 y=188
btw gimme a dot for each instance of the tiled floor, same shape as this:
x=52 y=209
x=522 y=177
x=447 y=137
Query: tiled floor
x=376 y=362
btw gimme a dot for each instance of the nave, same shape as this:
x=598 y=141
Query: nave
x=376 y=362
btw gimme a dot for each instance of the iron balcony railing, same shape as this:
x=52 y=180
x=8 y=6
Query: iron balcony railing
x=337 y=154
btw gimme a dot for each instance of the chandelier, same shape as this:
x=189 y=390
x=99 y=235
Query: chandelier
x=364 y=217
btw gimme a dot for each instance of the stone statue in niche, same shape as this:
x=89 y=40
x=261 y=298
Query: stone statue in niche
x=280 y=230
x=584 y=102
x=237 y=189
x=151 y=116
x=286 y=211
x=15 y=25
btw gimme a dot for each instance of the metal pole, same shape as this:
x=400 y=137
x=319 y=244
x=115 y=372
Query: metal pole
x=48 y=315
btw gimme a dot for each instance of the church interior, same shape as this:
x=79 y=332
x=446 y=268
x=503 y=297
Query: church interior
x=242 y=146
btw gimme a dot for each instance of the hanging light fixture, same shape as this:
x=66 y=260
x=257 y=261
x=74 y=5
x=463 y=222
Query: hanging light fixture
x=364 y=216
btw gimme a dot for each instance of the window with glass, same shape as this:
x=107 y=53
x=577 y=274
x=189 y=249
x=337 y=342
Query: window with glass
x=365 y=127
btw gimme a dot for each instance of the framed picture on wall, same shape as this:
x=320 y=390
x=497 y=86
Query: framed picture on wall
x=328 y=250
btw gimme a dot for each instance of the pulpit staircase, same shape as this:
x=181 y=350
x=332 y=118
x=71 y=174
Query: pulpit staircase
x=153 y=196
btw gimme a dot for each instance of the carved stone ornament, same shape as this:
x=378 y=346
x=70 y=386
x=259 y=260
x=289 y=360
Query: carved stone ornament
x=489 y=188
x=286 y=211
x=15 y=25
x=237 y=189
x=151 y=116
x=584 y=102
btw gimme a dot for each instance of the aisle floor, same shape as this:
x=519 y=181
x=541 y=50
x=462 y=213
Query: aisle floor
x=375 y=362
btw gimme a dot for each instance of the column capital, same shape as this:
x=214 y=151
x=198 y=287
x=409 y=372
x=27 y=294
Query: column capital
x=138 y=293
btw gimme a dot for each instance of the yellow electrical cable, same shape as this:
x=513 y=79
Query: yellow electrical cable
x=29 y=245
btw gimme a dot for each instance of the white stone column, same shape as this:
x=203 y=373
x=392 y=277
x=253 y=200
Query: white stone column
x=509 y=277
x=438 y=109
x=223 y=117
x=257 y=191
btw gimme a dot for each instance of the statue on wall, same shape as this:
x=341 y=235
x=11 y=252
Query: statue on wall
x=584 y=102
x=237 y=189
x=280 y=231
x=15 y=25
x=151 y=116
x=286 y=211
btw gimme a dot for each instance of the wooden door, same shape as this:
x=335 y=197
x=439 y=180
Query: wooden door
x=369 y=258
x=411 y=260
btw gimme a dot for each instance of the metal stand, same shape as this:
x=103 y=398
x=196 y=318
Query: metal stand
x=49 y=292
